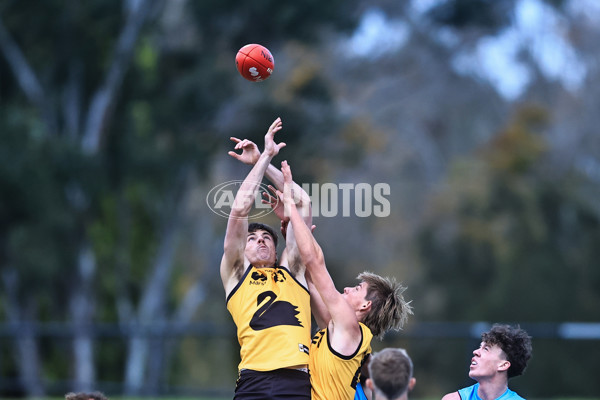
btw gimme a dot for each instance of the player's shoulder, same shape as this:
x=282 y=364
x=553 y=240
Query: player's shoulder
x=233 y=277
x=294 y=267
x=451 y=396
x=511 y=395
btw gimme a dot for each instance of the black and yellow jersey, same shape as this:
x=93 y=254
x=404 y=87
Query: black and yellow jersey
x=271 y=310
x=332 y=375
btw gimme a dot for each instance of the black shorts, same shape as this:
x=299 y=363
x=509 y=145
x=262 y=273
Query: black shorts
x=281 y=384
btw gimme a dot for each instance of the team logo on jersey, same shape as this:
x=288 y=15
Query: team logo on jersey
x=258 y=278
x=303 y=348
x=318 y=337
x=273 y=313
x=278 y=276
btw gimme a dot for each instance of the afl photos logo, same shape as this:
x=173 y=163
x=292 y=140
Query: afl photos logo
x=221 y=197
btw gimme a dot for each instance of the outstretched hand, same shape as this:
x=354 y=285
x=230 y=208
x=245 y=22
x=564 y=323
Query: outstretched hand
x=250 y=152
x=275 y=200
x=272 y=148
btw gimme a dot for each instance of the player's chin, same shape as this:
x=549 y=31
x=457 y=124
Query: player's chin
x=264 y=255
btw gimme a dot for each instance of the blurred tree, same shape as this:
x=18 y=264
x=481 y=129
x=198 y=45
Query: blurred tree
x=508 y=240
x=110 y=122
x=491 y=220
x=484 y=15
x=109 y=145
x=504 y=233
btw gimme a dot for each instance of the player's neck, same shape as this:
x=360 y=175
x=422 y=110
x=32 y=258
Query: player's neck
x=263 y=265
x=492 y=389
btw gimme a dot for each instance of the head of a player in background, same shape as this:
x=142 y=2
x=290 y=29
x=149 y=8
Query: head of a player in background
x=85 y=396
x=503 y=349
x=391 y=374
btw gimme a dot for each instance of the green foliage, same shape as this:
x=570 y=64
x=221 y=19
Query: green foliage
x=161 y=132
x=58 y=37
x=37 y=177
x=505 y=241
x=271 y=21
x=471 y=13
x=488 y=15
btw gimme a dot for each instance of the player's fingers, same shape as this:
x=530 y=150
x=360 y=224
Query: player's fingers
x=267 y=196
x=272 y=189
x=239 y=145
x=234 y=155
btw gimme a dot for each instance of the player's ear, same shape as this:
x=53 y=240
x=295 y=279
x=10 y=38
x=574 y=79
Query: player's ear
x=504 y=365
x=366 y=306
x=369 y=383
x=412 y=383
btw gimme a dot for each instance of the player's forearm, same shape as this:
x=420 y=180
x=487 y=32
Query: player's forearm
x=312 y=257
x=309 y=250
x=275 y=176
x=244 y=199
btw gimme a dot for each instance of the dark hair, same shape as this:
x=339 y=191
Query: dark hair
x=514 y=342
x=256 y=226
x=85 y=396
x=391 y=370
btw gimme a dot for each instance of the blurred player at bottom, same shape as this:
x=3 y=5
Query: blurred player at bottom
x=391 y=374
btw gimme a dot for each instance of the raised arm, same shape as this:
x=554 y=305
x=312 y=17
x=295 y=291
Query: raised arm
x=343 y=326
x=317 y=305
x=301 y=198
x=290 y=257
x=250 y=155
x=233 y=261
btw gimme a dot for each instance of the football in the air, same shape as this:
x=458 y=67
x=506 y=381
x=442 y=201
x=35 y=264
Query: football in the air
x=254 y=62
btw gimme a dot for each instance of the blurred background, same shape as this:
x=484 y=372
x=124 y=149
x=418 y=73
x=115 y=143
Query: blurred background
x=115 y=118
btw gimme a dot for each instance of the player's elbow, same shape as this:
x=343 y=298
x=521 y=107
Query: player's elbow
x=314 y=261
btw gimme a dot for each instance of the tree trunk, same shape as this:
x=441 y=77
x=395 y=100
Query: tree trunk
x=82 y=311
x=26 y=350
x=153 y=299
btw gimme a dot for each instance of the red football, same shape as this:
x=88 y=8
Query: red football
x=254 y=62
